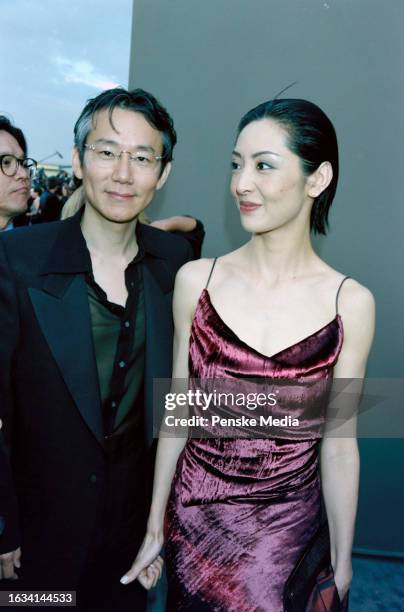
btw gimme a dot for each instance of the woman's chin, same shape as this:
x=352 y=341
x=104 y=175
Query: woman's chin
x=254 y=227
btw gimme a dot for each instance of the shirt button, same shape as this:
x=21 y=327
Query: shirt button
x=126 y=323
x=93 y=478
x=113 y=404
x=122 y=364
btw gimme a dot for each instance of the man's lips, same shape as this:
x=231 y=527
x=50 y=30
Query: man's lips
x=21 y=190
x=248 y=206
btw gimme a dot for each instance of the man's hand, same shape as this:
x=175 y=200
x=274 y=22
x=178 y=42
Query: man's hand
x=8 y=563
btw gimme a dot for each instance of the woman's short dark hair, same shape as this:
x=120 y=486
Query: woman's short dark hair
x=137 y=100
x=312 y=137
x=7 y=126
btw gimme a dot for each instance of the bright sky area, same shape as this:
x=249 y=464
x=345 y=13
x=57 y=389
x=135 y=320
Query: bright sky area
x=54 y=55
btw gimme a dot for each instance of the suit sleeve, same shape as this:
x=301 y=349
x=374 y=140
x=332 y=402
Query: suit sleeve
x=194 y=237
x=9 y=330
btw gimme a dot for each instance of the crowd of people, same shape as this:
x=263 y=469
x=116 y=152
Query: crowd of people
x=90 y=320
x=47 y=197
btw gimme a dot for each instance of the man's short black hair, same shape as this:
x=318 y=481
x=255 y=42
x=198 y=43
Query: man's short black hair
x=136 y=100
x=7 y=126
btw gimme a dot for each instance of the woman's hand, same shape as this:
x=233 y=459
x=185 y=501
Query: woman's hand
x=342 y=579
x=148 y=565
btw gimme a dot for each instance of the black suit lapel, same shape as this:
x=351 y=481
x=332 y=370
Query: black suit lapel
x=158 y=282
x=63 y=313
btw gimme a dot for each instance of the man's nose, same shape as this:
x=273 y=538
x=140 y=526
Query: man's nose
x=123 y=170
x=22 y=172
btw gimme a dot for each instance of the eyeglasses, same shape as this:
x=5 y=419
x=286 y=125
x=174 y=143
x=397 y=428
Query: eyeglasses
x=106 y=156
x=9 y=165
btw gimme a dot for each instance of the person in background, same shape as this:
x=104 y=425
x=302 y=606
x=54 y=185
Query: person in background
x=50 y=203
x=73 y=203
x=15 y=174
x=34 y=213
x=67 y=189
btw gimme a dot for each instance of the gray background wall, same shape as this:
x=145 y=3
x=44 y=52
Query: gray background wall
x=211 y=61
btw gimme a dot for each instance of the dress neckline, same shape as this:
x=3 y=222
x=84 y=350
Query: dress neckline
x=337 y=319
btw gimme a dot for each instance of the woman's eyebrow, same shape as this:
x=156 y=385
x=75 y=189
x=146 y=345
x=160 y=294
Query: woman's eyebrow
x=254 y=155
x=266 y=153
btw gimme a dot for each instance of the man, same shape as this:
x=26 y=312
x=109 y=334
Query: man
x=49 y=203
x=85 y=323
x=15 y=173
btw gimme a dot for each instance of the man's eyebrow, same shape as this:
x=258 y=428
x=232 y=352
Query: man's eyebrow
x=107 y=141
x=254 y=155
x=145 y=148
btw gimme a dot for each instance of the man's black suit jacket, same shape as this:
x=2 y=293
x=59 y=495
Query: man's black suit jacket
x=52 y=460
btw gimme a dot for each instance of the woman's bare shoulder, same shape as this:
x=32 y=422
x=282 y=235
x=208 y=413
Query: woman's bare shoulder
x=351 y=292
x=356 y=307
x=195 y=274
x=355 y=300
x=190 y=281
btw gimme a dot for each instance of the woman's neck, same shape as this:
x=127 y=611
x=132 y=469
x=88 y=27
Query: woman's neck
x=281 y=255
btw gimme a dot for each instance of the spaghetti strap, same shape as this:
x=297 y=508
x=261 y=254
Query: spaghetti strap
x=211 y=272
x=339 y=289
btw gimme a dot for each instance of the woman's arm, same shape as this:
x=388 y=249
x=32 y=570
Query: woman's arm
x=147 y=565
x=339 y=449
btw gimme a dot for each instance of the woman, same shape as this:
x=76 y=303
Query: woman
x=241 y=513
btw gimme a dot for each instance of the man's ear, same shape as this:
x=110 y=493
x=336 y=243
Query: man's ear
x=319 y=180
x=76 y=163
x=164 y=175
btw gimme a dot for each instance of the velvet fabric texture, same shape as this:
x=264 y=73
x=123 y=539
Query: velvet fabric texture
x=241 y=511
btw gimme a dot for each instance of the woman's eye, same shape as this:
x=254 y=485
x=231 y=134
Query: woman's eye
x=235 y=166
x=264 y=166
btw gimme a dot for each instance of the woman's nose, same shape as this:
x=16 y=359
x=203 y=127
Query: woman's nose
x=243 y=181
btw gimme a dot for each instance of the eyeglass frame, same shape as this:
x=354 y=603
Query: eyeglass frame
x=116 y=157
x=20 y=162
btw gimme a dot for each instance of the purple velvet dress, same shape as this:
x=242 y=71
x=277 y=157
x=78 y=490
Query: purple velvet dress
x=241 y=511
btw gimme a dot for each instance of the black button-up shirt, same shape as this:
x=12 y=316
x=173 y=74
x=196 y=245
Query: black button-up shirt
x=119 y=344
